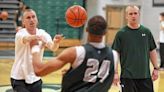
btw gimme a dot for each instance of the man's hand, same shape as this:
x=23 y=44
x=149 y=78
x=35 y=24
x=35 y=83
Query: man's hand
x=58 y=38
x=35 y=40
x=30 y=38
x=53 y=46
x=42 y=41
x=116 y=79
x=155 y=74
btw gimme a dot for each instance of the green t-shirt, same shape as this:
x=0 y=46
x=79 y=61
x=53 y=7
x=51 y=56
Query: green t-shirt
x=134 y=46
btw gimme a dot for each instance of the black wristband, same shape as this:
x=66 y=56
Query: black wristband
x=156 y=68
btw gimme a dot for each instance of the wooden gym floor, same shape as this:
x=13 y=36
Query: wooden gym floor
x=50 y=80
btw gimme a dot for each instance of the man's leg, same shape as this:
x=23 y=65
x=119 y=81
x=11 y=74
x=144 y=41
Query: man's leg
x=36 y=86
x=128 y=85
x=145 y=85
x=19 y=85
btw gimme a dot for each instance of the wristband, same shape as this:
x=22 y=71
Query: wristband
x=35 y=49
x=156 y=68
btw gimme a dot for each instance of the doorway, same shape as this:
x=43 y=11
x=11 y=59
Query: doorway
x=115 y=19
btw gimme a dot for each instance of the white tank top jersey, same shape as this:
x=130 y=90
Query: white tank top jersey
x=80 y=52
x=22 y=68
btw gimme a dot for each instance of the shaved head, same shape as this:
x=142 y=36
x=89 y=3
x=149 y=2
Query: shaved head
x=132 y=7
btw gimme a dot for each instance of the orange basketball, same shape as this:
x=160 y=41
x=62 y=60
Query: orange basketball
x=4 y=15
x=76 y=16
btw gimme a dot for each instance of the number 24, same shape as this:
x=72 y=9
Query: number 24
x=94 y=72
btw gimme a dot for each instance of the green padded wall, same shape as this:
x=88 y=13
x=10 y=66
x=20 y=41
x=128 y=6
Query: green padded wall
x=51 y=16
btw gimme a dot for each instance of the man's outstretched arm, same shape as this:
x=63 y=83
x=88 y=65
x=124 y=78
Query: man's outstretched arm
x=42 y=69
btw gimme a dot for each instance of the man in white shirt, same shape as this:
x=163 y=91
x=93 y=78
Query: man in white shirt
x=23 y=78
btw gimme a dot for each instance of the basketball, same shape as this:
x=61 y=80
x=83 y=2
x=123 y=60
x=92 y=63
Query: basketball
x=4 y=15
x=76 y=16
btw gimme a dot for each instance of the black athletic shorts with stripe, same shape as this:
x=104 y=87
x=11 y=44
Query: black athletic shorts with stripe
x=21 y=86
x=136 y=85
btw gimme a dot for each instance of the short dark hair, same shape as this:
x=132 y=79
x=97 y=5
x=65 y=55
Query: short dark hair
x=162 y=13
x=97 y=25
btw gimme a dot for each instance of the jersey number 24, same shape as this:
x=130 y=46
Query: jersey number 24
x=95 y=71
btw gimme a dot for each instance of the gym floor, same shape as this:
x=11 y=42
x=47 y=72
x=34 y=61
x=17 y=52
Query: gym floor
x=51 y=82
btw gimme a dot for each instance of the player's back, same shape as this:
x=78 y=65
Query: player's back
x=95 y=74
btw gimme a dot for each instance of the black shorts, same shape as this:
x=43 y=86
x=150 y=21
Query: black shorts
x=21 y=86
x=136 y=85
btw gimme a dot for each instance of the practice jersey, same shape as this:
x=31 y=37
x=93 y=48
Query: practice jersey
x=94 y=74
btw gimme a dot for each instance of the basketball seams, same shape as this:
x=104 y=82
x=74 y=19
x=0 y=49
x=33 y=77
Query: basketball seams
x=82 y=20
x=76 y=16
x=70 y=19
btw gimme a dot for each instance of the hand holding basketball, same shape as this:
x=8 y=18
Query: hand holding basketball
x=76 y=16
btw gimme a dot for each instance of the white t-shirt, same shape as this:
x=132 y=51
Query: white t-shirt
x=161 y=33
x=22 y=68
x=80 y=52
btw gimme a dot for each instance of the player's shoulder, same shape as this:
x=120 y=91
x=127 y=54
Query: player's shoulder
x=79 y=48
x=70 y=51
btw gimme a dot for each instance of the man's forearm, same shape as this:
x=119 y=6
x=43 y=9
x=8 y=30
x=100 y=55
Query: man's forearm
x=53 y=46
x=37 y=65
x=153 y=57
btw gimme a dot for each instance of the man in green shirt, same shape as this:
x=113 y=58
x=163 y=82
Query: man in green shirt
x=135 y=46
